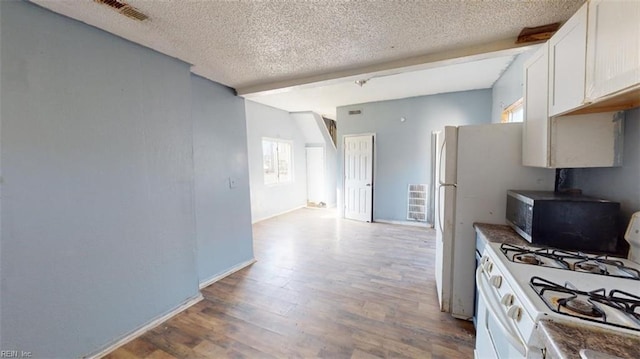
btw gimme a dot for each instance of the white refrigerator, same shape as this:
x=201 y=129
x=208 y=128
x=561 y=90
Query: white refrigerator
x=475 y=166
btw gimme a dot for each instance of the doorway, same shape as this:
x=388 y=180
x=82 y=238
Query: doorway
x=358 y=177
x=315 y=176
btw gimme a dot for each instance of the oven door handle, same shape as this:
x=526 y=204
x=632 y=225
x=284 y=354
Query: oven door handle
x=503 y=321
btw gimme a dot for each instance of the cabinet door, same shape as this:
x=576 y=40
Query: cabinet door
x=567 y=55
x=613 y=47
x=535 y=137
x=591 y=140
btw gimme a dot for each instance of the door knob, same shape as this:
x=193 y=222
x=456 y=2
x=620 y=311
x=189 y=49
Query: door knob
x=368 y=184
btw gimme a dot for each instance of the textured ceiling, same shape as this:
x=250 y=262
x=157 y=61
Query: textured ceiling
x=260 y=45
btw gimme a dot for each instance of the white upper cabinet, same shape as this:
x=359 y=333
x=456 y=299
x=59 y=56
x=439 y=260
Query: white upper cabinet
x=575 y=83
x=613 y=48
x=536 y=120
x=567 y=54
x=587 y=140
x=565 y=141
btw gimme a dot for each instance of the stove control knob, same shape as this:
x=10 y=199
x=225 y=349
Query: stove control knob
x=514 y=312
x=496 y=281
x=507 y=300
x=488 y=266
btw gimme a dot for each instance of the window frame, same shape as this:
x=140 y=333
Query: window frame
x=278 y=175
x=507 y=112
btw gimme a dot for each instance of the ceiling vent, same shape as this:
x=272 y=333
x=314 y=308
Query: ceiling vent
x=124 y=8
x=417 y=202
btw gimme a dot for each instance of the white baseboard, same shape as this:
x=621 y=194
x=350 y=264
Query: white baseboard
x=232 y=270
x=311 y=207
x=278 y=214
x=328 y=206
x=146 y=327
x=404 y=223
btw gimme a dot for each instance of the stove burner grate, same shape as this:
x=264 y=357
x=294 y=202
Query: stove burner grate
x=626 y=302
x=582 y=307
x=555 y=258
x=541 y=257
x=591 y=267
x=568 y=300
x=528 y=259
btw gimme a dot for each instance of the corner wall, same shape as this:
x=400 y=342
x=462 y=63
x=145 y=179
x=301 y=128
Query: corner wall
x=270 y=200
x=316 y=134
x=403 y=149
x=223 y=210
x=509 y=87
x=98 y=233
x=331 y=173
x=97 y=148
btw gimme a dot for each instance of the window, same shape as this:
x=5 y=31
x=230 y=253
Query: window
x=277 y=161
x=513 y=112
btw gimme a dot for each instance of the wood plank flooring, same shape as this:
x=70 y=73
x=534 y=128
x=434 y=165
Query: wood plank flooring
x=322 y=287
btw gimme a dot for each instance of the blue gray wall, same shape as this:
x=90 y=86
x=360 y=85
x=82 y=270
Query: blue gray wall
x=223 y=210
x=620 y=184
x=271 y=200
x=403 y=149
x=509 y=87
x=331 y=160
x=98 y=229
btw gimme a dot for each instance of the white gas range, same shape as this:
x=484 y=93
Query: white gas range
x=519 y=285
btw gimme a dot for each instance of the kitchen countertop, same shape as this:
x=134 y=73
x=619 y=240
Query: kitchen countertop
x=499 y=233
x=564 y=340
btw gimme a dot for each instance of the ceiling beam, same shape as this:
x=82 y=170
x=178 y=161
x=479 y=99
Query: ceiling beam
x=467 y=54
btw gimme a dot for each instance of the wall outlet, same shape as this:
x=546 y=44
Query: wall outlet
x=233 y=182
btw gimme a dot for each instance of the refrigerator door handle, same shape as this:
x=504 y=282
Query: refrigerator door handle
x=438 y=206
x=442 y=183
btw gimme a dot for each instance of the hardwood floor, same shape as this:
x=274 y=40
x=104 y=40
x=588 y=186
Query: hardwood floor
x=322 y=287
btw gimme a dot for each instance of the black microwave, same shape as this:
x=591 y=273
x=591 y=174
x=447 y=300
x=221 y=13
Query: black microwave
x=564 y=220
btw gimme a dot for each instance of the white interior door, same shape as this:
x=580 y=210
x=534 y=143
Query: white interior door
x=315 y=174
x=358 y=177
